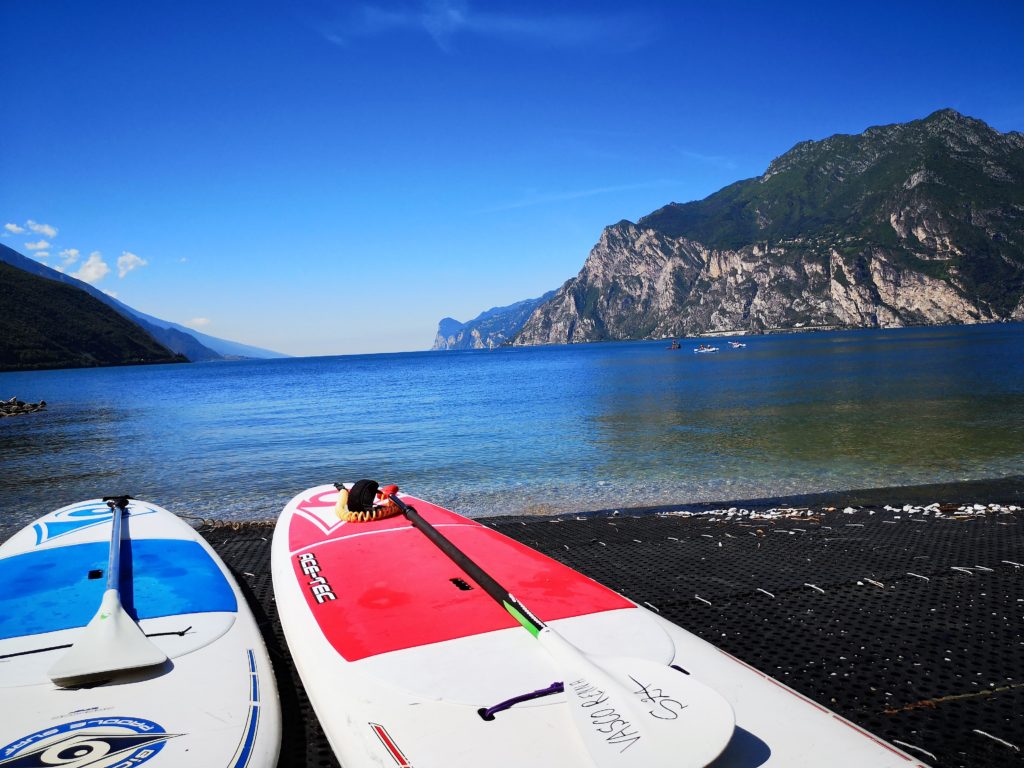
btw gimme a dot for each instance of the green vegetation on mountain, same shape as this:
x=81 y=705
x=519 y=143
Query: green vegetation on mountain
x=192 y=344
x=909 y=224
x=46 y=324
x=951 y=169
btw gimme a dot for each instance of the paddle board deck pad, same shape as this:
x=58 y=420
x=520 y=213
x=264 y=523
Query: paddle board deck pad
x=399 y=652
x=213 y=704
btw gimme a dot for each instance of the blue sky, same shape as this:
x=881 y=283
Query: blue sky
x=335 y=177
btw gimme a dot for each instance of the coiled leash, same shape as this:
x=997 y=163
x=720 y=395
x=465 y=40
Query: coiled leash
x=369 y=502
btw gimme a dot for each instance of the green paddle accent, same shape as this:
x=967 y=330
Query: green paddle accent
x=527 y=624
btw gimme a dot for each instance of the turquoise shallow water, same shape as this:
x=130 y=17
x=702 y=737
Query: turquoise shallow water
x=545 y=430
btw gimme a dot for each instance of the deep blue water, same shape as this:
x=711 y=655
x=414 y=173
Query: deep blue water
x=546 y=429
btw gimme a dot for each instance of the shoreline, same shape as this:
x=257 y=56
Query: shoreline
x=1002 y=491
x=993 y=491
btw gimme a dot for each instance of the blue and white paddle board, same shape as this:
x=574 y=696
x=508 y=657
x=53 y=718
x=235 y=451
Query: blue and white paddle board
x=212 y=704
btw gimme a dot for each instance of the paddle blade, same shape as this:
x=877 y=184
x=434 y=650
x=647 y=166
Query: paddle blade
x=635 y=713
x=110 y=643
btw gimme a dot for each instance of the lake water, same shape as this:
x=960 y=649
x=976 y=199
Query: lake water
x=538 y=430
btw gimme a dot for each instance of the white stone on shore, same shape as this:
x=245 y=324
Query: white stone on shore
x=907 y=511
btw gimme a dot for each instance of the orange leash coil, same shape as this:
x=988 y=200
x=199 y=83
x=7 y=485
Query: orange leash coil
x=379 y=511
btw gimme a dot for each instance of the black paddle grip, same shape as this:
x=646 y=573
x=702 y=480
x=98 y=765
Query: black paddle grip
x=461 y=559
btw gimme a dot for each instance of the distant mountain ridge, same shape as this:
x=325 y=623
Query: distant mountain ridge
x=489 y=329
x=47 y=324
x=194 y=345
x=906 y=224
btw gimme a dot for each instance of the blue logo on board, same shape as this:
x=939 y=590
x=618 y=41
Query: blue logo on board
x=96 y=742
x=62 y=523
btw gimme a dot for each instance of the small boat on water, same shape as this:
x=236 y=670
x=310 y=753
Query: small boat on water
x=704 y=348
x=737 y=344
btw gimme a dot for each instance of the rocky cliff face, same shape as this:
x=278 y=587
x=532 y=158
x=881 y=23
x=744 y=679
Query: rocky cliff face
x=920 y=223
x=488 y=329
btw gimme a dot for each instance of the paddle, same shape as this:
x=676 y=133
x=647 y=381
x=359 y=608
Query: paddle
x=111 y=642
x=629 y=712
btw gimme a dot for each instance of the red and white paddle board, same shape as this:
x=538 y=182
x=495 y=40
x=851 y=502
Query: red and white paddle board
x=399 y=651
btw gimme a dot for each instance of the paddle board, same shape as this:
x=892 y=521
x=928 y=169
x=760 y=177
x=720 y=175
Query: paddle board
x=212 y=704
x=401 y=654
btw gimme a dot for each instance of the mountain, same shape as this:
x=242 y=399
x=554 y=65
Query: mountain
x=45 y=324
x=223 y=348
x=909 y=224
x=488 y=329
x=195 y=346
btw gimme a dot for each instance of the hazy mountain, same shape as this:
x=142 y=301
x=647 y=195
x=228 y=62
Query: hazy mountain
x=909 y=224
x=194 y=345
x=488 y=329
x=46 y=324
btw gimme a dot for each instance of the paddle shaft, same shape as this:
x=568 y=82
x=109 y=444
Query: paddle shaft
x=627 y=712
x=112 y=642
x=117 y=506
x=500 y=595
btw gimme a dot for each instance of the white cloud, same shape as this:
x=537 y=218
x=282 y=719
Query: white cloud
x=14 y=229
x=198 y=322
x=444 y=20
x=718 y=161
x=111 y=294
x=42 y=229
x=535 y=198
x=42 y=245
x=94 y=269
x=41 y=254
x=69 y=256
x=126 y=262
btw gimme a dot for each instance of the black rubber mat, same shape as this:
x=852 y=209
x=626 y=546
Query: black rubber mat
x=245 y=549
x=909 y=625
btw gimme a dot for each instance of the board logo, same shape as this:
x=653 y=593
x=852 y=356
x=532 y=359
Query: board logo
x=318 y=585
x=71 y=520
x=75 y=519
x=319 y=510
x=99 y=742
